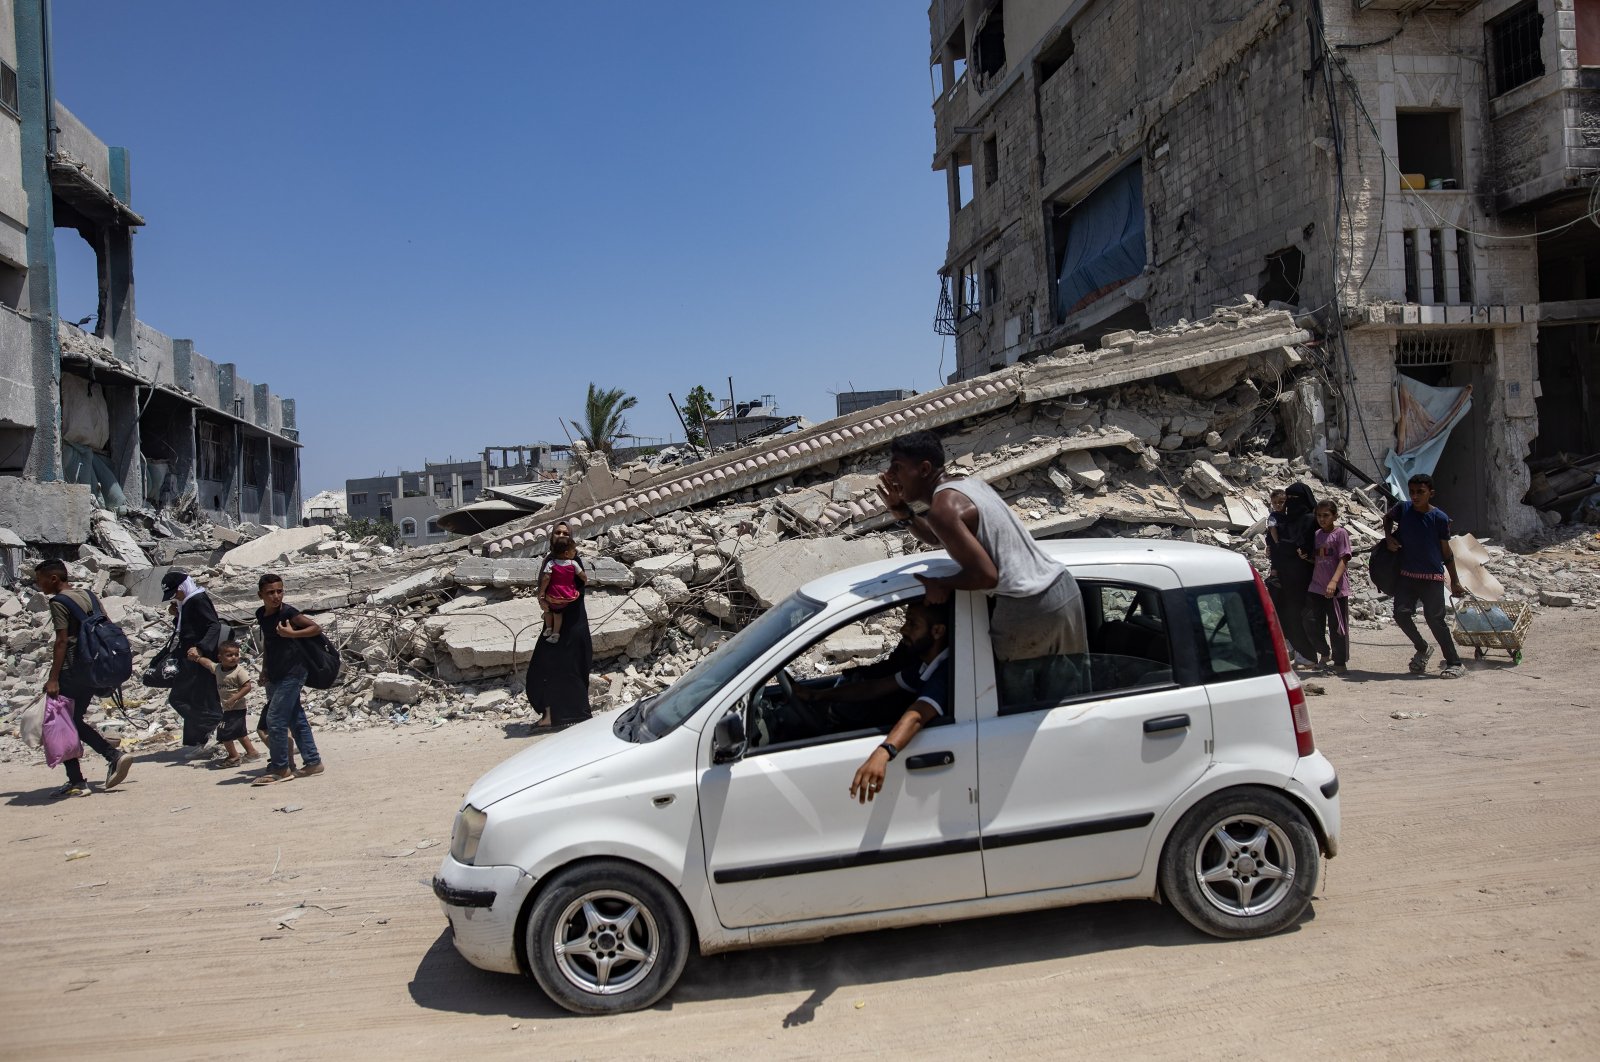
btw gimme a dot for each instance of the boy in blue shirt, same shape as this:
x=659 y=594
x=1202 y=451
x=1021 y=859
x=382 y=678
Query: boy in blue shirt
x=1420 y=532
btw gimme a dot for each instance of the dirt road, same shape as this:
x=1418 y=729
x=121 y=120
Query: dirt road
x=209 y=920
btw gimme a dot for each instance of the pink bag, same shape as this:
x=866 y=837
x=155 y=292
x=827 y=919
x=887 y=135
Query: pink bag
x=60 y=732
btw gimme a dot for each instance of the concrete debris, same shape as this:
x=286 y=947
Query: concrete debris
x=274 y=546
x=681 y=555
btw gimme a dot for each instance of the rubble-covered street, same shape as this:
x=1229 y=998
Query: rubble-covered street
x=1165 y=435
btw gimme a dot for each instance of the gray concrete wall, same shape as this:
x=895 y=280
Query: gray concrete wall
x=75 y=141
x=204 y=380
x=153 y=355
x=13 y=197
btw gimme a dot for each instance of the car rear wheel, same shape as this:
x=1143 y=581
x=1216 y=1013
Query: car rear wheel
x=606 y=937
x=1241 y=863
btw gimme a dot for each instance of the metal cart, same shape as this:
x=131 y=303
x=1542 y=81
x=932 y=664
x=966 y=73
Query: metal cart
x=1476 y=626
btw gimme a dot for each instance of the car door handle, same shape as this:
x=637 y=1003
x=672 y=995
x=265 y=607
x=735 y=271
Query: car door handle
x=1166 y=722
x=930 y=759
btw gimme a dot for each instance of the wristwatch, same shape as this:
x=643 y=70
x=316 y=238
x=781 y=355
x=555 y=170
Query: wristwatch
x=890 y=749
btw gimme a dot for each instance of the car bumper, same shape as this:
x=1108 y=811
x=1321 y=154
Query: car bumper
x=482 y=904
x=1317 y=785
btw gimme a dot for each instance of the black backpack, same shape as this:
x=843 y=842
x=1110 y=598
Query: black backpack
x=322 y=661
x=102 y=660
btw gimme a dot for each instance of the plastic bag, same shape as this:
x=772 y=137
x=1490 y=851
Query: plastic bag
x=60 y=732
x=31 y=725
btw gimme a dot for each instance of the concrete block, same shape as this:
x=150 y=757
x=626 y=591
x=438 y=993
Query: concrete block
x=678 y=565
x=706 y=568
x=115 y=539
x=673 y=591
x=146 y=585
x=500 y=572
x=11 y=551
x=490 y=699
x=401 y=689
x=1080 y=466
x=1136 y=424
x=411 y=587
x=472 y=599
x=718 y=605
x=772 y=573
x=604 y=572
x=1553 y=599
x=1204 y=481
x=55 y=513
x=265 y=551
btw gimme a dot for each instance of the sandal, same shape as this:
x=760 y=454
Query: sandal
x=274 y=777
x=231 y=761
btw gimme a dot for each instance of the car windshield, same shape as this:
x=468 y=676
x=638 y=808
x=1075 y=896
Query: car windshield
x=667 y=711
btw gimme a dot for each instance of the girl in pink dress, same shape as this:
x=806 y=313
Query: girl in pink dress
x=559 y=580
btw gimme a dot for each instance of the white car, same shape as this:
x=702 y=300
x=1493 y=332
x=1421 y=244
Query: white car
x=1177 y=764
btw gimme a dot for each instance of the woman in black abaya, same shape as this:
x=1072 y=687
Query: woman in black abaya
x=558 y=674
x=1291 y=569
x=195 y=696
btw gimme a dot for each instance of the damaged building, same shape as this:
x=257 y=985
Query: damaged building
x=117 y=415
x=1417 y=178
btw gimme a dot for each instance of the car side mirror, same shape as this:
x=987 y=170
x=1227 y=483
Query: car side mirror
x=728 y=739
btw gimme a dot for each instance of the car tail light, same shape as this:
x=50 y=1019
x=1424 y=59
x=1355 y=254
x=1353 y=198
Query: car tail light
x=1305 y=743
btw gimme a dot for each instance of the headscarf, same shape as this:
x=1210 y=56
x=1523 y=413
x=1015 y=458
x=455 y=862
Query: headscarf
x=1296 y=528
x=190 y=590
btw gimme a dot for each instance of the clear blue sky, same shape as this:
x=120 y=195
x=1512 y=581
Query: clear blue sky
x=433 y=224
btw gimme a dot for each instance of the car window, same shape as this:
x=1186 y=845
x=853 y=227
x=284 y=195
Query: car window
x=1232 y=639
x=685 y=696
x=1129 y=649
x=859 y=678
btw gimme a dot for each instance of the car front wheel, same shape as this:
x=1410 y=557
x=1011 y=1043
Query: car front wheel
x=1241 y=863
x=606 y=937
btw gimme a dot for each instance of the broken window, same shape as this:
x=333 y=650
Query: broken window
x=1514 y=41
x=1055 y=55
x=408 y=527
x=1464 y=265
x=1413 y=270
x=255 y=465
x=936 y=78
x=1587 y=18
x=1280 y=280
x=991 y=161
x=13 y=283
x=1448 y=251
x=385 y=499
x=1428 y=146
x=962 y=163
x=991 y=286
x=1102 y=245
x=971 y=293
x=989 y=42
x=215 y=445
x=78 y=292
x=8 y=90
x=283 y=469
x=955 y=55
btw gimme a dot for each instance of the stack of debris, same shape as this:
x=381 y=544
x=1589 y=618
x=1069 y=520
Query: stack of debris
x=1156 y=436
x=1565 y=487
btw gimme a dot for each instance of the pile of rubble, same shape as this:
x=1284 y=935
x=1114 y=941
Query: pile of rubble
x=1152 y=443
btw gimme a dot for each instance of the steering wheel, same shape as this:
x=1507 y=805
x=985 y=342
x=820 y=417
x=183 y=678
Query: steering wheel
x=786 y=684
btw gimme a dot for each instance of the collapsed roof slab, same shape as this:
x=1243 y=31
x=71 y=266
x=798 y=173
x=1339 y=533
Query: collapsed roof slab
x=1230 y=333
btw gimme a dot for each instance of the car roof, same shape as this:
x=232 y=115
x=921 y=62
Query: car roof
x=1196 y=565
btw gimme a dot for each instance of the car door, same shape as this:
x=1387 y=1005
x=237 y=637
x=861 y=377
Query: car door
x=1068 y=792
x=785 y=842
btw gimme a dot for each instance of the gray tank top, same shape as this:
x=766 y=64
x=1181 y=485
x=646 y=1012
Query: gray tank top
x=1024 y=568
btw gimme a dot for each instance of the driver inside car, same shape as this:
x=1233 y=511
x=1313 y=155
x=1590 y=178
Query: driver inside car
x=903 y=693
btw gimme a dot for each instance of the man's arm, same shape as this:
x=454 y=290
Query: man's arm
x=848 y=692
x=1388 y=530
x=951 y=518
x=868 y=781
x=299 y=625
x=1450 y=566
x=52 y=685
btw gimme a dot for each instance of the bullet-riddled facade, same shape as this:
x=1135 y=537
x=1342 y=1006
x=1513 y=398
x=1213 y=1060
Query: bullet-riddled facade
x=1392 y=169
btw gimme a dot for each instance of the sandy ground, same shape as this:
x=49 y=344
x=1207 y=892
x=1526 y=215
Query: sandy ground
x=1459 y=921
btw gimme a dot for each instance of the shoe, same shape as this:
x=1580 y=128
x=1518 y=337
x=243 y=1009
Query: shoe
x=116 y=772
x=1299 y=661
x=1338 y=669
x=274 y=777
x=71 y=789
x=251 y=757
x=1419 y=659
x=1453 y=671
x=309 y=769
x=553 y=637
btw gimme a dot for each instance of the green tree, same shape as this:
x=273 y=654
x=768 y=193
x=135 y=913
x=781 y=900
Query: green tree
x=367 y=527
x=602 y=422
x=697 y=409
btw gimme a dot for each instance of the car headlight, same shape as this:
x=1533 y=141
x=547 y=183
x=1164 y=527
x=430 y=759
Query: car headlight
x=466 y=833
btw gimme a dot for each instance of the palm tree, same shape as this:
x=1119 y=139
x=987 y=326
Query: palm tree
x=602 y=422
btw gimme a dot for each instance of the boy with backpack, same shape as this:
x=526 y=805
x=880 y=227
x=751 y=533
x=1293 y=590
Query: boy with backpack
x=1420 y=532
x=284 y=672
x=87 y=659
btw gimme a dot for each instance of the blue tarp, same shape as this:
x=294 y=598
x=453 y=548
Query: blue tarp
x=1105 y=240
x=1426 y=415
